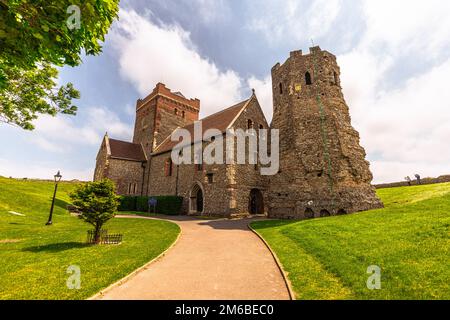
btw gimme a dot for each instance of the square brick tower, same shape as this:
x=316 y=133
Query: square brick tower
x=161 y=112
x=157 y=116
x=323 y=170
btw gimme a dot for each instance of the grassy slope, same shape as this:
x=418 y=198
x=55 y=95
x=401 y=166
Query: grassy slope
x=410 y=240
x=35 y=267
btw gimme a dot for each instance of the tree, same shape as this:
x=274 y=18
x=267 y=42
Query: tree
x=35 y=36
x=33 y=92
x=97 y=201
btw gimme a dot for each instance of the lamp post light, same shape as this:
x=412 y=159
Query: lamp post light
x=58 y=177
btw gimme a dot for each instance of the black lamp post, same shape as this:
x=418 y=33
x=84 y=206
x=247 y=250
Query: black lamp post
x=58 y=177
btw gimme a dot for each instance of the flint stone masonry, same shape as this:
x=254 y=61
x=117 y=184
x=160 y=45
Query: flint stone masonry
x=322 y=165
x=323 y=170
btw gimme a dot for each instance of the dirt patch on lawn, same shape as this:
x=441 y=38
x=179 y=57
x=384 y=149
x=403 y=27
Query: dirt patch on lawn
x=10 y=240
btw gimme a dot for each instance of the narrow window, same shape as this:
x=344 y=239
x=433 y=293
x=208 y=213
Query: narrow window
x=336 y=79
x=168 y=168
x=281 y=88
x=308 y=78
x=183 y=115
x=249 y=124
x=175 y=111
x=210 y=177
x=198 y=158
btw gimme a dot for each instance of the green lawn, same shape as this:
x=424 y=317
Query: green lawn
x=34 y=257
x=409 y=240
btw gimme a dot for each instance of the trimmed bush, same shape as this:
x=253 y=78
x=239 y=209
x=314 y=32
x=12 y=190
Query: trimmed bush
x=170 y=205
x=127 y=203
x=142 y=204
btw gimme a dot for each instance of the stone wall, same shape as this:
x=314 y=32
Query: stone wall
x=246 y=177
x=144 y=126
x=101 y=164
x=228 y=192
x=183 y=179
x=125 y=173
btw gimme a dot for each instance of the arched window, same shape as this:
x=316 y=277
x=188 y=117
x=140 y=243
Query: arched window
x=281 y=88
x=249 y=124
x=324 y=213
x=175 y=111
x=308 y=79
x=168 y=167
x=183 y=115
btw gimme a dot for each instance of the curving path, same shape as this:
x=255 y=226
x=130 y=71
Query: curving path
x=212 y=260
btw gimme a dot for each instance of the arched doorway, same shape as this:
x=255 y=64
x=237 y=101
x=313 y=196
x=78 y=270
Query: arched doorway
x=256 y=202
x=196 y=200
x=309 y=213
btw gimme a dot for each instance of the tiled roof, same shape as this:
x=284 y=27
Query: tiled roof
x=126 y=150
x=220 y=121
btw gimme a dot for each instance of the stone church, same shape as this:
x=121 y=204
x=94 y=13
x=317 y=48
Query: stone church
x=322 y=167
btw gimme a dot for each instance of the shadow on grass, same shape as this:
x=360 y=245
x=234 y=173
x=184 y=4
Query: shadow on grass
x=264 y=224
x=61 y=204
x=57 y=247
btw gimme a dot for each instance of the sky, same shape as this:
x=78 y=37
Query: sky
x=394 y=59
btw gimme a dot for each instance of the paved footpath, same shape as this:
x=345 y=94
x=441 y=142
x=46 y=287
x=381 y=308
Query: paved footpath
x=212 y=260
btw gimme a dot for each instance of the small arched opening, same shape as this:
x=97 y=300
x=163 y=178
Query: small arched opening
x=281 y=88
x=308 y=79
x=324 y=213
x=309 y=213
x=256 y=202
x=341 y=212
x=196 y=200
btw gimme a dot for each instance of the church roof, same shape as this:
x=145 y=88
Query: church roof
x=126 y=150
x=221 y=121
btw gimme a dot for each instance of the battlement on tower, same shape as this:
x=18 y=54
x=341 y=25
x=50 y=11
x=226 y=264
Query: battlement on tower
x=161 y=90
x=298 y=54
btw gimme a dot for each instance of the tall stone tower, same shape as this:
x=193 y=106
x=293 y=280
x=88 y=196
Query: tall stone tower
x=323 y=170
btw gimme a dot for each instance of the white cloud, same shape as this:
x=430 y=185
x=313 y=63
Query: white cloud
x=405 y=128
x=408 y=26
x=293 y=20
x=149 y=53
x=211 y=11
x=263 y=90
x=64 y=133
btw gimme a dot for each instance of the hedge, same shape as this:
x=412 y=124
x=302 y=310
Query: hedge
x=127 y=203
x=170 y=205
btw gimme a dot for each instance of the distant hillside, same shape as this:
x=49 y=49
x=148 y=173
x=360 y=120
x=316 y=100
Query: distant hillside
x=441 y=179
